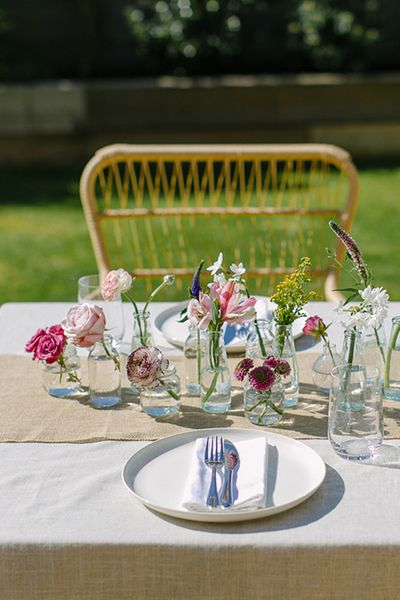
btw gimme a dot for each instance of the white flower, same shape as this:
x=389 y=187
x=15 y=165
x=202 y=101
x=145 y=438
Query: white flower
x=214 y=268
x=376 y=303
x=125 y=280
x=237 y=271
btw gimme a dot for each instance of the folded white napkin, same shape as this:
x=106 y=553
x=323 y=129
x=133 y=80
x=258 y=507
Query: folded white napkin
x=250 y=482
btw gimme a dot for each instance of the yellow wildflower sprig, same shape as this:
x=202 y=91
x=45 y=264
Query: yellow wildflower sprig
x=290 y=297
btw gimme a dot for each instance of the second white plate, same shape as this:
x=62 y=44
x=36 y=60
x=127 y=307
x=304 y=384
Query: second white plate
x=156 y=475
x=175 y=333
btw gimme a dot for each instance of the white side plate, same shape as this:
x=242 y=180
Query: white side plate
x=235 y=338
x=156 y=474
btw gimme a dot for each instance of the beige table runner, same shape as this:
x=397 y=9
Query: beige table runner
x=29 y=414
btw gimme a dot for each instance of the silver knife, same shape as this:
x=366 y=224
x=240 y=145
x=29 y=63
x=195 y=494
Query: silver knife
x=231 y=462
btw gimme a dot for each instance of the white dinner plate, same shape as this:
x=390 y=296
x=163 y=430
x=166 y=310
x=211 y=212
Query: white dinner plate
x=176 y=333
x=156 y=475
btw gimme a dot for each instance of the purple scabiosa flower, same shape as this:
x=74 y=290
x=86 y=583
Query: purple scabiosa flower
x=282 y=367
x=242 y=368
x=195 y=288
x=262 y=378
x=353 y=250
x=271 y=362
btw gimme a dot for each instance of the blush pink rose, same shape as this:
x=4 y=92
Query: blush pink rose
x=199 y=311
x=85 y=324
x=115 y=283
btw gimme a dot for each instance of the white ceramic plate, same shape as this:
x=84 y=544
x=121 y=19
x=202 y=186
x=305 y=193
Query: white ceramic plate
x=156 y=474
x=235 y=336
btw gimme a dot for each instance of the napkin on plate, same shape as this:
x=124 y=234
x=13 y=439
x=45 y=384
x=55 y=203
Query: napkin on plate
x=249 y=479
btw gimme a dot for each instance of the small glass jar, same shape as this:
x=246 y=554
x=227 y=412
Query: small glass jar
x=104 y=374
x=63 y=381
x=392 y=365
x=286 y=350
x=215 y=377
x=260 y=341
x=141 y=330
x=163 y=399
x=322 y=367
x=266 y=407
x=192 y=358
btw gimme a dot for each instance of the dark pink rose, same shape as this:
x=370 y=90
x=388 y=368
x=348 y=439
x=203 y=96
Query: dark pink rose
x=314 y=326
x=31 y=344
x=84 y=324
x=50 y=347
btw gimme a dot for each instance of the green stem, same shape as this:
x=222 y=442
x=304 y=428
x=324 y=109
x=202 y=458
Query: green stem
x=260 y=340
x=142 y=335
x=211 y=388
x=352 y=346
x=329 y=348
x=115 y=359
x=154 y=293
x=391 y=347
x=378 y=341
x=173 y=394
x=198 y=357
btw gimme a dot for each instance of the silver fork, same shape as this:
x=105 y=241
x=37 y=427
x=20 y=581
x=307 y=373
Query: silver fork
x=214 y=458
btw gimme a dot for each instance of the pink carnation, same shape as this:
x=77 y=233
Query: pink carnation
x=262 y=378
x=85 y=324
x=145 y=365
x=242 y=368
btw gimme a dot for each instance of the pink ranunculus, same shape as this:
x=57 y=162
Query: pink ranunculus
x=50 y=346
x=115 y=282
x=32 y=343
x=199 y=311
x=84 y=324
x=314 y=326
x=145 y=365
x=235 y=307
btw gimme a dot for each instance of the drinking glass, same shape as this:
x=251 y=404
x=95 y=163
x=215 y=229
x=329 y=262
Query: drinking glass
x=355 y=421
x=89 y=291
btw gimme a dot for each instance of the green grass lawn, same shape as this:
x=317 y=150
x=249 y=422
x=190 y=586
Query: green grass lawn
x=45 y=247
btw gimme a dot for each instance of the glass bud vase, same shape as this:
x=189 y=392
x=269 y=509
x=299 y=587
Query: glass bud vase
x=352 y=351
x=141 y=330
x=104 y=375
x=286 y=350
x=215 y=377
x=266 y=407
x=392 y=365
x=374 y=347
x=260 y=340
x=63 y=381
x=192 y=356
x=163 y=399
x=322 y=367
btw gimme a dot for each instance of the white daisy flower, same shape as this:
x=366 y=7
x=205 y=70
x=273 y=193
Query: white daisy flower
x=214 y=268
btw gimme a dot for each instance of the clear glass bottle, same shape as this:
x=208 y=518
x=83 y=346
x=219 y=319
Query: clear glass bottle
x=374 y=347
x=322 y=367
x=64 y=381
x=162 y=400
x=392 y=365
x=353 y=351
x=104 y=374
x=264 y=408
x=215 y=376
x=260 y=341
x=192 y=358
x=141 y=330
x=286 y=349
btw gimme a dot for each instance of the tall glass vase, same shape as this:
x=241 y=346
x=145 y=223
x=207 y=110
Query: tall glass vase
x=392 y=366
x=260 y=341
x=193 y=349
x=353 y=350
x=286 y=350
x=104 y=375
x=374 y=348
x=215 y=377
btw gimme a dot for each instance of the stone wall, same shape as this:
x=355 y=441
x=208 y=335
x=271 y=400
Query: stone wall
x=65 y=122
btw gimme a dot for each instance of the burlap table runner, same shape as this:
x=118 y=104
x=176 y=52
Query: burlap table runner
x=29 y=414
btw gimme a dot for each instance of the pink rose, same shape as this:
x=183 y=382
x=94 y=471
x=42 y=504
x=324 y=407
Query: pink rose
x=199 y=311
x=115 y=283
x=50 y=347
x=315 y=326
x=31 y=344
x=85 y=324
x=145 y=365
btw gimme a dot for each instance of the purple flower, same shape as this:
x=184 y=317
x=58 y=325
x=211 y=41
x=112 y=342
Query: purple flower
x=262 y=378
x=195 y=288
x=271 y=362
x=145 y=366
x=353 y=250
x=282 y=367
x=242 y=368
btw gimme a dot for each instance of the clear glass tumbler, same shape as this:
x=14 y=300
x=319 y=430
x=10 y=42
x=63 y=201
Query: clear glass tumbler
x=89 y=291
x=355 y=421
